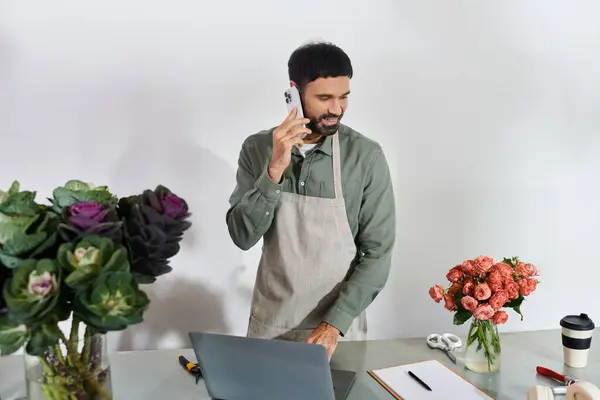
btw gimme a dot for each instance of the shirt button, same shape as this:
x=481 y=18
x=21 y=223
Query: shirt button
x=277 y=191
x=301 y=183
x=267 y=213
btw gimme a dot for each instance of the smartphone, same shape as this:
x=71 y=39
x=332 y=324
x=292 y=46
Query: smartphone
x=292 y=99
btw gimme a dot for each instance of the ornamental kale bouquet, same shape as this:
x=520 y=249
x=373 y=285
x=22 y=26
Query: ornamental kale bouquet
x=82 y=256
x=480 y=288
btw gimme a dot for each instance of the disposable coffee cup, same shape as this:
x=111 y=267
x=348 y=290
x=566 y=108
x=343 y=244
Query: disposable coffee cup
x=577 y=333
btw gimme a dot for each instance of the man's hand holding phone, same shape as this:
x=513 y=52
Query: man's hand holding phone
x=285 y=136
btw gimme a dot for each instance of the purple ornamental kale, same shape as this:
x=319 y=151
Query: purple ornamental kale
x=154 y=223
x=87 y=214
x=89 y=218
x=173 y=206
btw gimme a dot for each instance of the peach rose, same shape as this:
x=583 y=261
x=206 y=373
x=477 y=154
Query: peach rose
x=469 y=303
x=495 y=286
x=505 y=269
x=484 y=312
x=450 y=305
x=512 y=288
x=469 y=288
x=532 y=284
x=534 y=270
x=454 y=274
x=482 y=291
x=483 y=264
x=437 y=293
x=524 y=288
x=526 y=270
x=468 y=267
x=455 y=288
x=499 y=299
x=496 y=277
x=499 y=317
x=519 y=267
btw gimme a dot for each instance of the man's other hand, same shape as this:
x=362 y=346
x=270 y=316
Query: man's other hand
x=325 y=335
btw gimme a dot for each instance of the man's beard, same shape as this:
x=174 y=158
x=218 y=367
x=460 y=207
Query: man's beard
x=324 y=130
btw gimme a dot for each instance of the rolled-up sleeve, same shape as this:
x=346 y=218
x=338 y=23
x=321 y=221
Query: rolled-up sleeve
x=252 y=203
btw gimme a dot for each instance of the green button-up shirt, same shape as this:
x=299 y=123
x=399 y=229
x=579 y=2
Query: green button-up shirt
x=368 y=196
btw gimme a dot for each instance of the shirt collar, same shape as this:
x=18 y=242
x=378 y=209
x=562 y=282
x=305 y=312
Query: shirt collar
x=325 y=146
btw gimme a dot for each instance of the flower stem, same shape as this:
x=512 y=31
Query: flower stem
x=85 y=352
x=47 y=372
x=56 y=373
x=95 y=353
x=496 y=342
x=95 y=385
x=46 y=368
x=59 y=355
x=483 y=337
x=48 y=389
x=472 y=334
x=74 y=335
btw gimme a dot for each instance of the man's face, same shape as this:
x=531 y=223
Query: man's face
x=324 y=101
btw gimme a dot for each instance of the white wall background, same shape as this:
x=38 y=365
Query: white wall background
x=489 y=114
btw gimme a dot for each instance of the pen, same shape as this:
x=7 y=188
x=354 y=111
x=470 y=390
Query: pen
x=416 y=378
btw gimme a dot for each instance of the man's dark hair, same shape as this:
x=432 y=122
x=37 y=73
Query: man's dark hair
x=318 y=60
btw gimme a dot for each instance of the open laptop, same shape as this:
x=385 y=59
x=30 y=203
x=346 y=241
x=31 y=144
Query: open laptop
x=241 y=368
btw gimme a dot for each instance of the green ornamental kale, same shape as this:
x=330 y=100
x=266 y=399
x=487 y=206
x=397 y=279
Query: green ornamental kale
x=154 y=223
x=12 y=336
x=41 y=337
x=14 y=188
x=85 y=261
x=112 y=302
x=33 y=291
x=75 y=191
x=27 y=229
x=38 y=335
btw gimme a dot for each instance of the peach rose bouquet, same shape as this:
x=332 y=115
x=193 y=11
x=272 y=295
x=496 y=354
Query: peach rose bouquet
x=480 y=289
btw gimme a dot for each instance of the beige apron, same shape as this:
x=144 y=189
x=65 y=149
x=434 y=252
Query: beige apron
x=306 y=255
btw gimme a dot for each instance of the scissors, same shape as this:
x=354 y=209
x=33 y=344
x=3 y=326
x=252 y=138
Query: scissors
x=446 y=342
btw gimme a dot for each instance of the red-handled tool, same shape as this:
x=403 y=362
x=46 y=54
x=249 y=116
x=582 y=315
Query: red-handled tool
x=566 y=379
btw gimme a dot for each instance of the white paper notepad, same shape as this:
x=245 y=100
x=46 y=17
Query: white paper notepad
x=444 y=383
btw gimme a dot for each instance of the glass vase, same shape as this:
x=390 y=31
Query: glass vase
x=483 y=352
x=76 y=370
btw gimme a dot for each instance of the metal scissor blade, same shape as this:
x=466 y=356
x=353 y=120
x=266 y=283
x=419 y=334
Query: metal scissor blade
x=450 y=355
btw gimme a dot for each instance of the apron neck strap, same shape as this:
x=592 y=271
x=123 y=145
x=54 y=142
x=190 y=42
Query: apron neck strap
x=337 y=169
